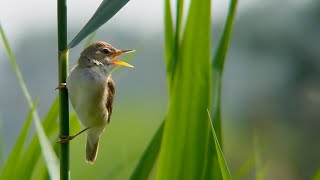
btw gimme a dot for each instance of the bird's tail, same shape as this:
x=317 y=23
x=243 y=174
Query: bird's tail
x=92 y=146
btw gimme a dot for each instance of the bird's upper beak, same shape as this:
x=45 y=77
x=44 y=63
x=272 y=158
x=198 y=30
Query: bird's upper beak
x=121 y=63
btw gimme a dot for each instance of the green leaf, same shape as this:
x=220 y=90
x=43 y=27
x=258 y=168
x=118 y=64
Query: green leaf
x=106 y=10
x=47 y=151
x=218 y=64
x=219 y=59
x=172 y=40
x=260 y=167
x=168 y=34
x=222 y=161
x=74 y=124
x=262 y=172
x=50 y=121
x=245 y=168
x=185 y=138
x=33 y=152
x=3 y=145
x=11 y=163
x=90 y=39
x=147 y=161
x=316 y=176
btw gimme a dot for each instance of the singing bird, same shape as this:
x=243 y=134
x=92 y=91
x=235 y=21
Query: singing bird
x=92 y=90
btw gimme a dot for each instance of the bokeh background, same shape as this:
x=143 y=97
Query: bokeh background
x=271 y=86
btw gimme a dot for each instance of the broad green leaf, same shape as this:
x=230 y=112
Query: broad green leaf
x=222 y=161
x=148 y=159
x=218 y=64
x=11 y=163
x=185 y=138
x=106 y=10
x=47 y=151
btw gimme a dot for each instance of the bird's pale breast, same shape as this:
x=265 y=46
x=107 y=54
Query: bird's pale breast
x=87 y=92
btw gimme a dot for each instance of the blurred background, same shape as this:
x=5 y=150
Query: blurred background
x=271 y=87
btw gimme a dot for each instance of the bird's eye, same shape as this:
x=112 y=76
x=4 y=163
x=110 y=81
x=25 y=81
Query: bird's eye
x=106 y=50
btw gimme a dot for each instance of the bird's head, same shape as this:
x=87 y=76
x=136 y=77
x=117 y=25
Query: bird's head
x=106 y=54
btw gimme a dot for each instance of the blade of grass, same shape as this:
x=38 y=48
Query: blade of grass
x=47 y=152
x=245 y=168
x=33 y=151
x=217 y=72
x=316 y=175
x=149 y=156
x=74 y=124
x=262 y=172
x=222 y=161
x=11 y=163
x=260 y=167
x=172 y=58
x=49 y=122
x=90 y=39
x=50 y=156
x=106 y=10
x=185 y=136
x=218 y=64
x=3 y=145
x=168 y=34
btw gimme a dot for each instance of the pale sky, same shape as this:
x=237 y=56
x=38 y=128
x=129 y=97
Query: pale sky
x=18 y=16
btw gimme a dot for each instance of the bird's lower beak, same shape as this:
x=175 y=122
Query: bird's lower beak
x=121 y=63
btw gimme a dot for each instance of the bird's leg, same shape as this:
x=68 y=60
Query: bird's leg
x=62 y=86
x=65 y=139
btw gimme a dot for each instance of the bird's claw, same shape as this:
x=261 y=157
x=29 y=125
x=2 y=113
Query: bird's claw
x=65 y=139
x=62 y=86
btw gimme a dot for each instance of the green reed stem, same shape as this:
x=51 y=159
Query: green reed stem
x=63 y=93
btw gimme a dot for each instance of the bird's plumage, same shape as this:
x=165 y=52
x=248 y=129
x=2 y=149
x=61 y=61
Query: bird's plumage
x=110 y=97
x=91 y=91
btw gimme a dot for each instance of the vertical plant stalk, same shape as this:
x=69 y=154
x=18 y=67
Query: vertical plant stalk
x=63 y=93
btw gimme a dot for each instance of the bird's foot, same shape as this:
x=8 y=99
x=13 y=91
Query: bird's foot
x=65 y=139
x=62 y=86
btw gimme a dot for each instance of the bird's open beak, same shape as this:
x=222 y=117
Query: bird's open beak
x=121 y=63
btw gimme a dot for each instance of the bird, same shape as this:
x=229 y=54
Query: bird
x=91 y=92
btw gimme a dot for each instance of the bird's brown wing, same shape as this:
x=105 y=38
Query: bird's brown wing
x=110 y=98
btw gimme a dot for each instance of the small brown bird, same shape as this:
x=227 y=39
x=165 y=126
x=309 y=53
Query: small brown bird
x=92 y=90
